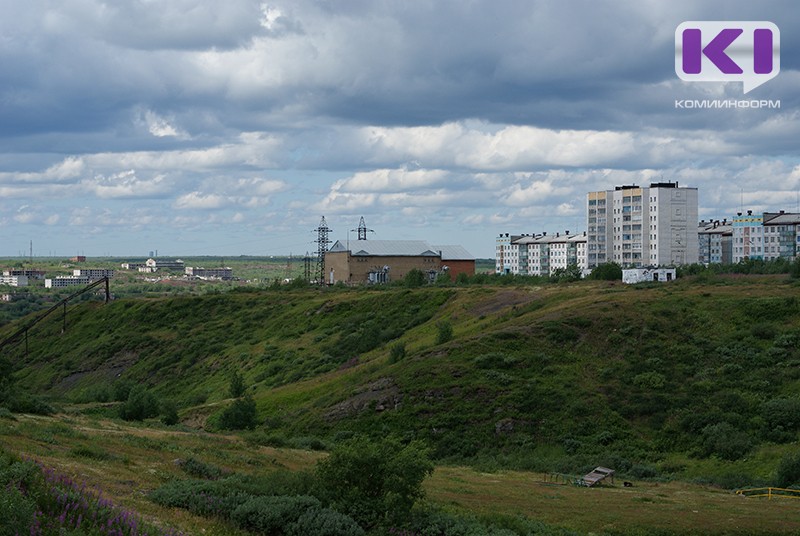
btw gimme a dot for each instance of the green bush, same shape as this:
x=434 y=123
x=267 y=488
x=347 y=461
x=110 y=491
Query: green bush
x=610 y=271
x=397 y=352
x=16 y=510
x=374 y=481
x=237 y=386
x=324 y=522
x=200 y=469
x=141 y=405
x=781 y=419
x=241 y=415
x=414 y=278
x=725 y=441
x=122 y=390
x=272 y=515
x=169 y=413
x=788 y=472
x=444 y=331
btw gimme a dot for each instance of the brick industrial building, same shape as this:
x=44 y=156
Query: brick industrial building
x=382 y=261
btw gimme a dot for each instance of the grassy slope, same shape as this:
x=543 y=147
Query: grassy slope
x=557 y=378
x=126 y=461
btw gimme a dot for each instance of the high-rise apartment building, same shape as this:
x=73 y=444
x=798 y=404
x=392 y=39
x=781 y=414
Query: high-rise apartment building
x=638 y=226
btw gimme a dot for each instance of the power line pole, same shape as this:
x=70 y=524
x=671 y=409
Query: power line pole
x=322 y=247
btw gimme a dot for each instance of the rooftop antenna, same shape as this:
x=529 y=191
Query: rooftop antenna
x=322 y=247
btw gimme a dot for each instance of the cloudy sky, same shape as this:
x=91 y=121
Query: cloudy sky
x=225 y=128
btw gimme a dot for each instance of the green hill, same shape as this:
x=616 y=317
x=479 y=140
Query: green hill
x=694 y=378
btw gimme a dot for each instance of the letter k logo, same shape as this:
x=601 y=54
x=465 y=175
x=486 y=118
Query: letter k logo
x=714 y=51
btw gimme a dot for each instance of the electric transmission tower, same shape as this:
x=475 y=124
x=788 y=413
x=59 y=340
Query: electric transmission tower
x=362 y=229
x=322 y=246
x=307 y=267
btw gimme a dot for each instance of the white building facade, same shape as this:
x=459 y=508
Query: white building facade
x=540 y=254
x=637 y=226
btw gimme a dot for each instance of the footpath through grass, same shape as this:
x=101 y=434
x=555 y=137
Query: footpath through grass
x=127 y=461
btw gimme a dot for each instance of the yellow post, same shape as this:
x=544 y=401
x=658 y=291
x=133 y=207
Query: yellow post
x=769 y=494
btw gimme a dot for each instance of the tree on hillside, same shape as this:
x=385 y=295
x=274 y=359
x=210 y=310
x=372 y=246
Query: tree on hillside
x=609 y=271
x=375 y=481
x=237 y=386
x=241 y=415
x=414 y=278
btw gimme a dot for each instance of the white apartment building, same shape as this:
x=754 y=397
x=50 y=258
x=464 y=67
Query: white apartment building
x=540 y=254
x=715 y=242
x=748 y=237
x=781 y=235
x=637 y=226
x=506 y=254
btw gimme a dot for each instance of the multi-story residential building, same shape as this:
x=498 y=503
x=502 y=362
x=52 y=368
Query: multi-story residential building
x=642 y=226
x=507 y=254
x=715 y=242
x=540 y=254
x=93 y=273
x=781 y=235
x=748 y=237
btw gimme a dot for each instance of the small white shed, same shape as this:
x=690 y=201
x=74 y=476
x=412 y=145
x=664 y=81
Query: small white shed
x=642 y=275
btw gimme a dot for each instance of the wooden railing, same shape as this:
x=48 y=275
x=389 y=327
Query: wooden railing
x=769 y=493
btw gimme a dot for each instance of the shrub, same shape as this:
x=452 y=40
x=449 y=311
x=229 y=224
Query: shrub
x=725 y=441
x=788 y=472
x=782 y=418
x=16 y=511
x=237 y=386
x=397 y=352
x=199 y=469
x=121 y=390
x=271 y=515
x=169 y=413
x=610 y=271
x=445 y=331
x=374 y=481
x=324 y=522
x=141 y=405
x=414 y=278
x=241 y=415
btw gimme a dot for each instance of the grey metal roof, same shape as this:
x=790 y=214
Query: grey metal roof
x=782 y=219
x=401 y=248
x=454 y=253
x=391 y=248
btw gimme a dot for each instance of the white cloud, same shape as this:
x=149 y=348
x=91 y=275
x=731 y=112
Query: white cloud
x=125 y=185
x=161 y=127
x=197 y=200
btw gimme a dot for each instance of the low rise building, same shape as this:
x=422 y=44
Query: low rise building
x=153 y=265
x=93 y=273
x=781 y=235
x=540 y=254
x=715 y=240
x=224 y=274
x=643 y=275
x=30 y=274
x=14 y=280
x=66 y=281
x=381 y=261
